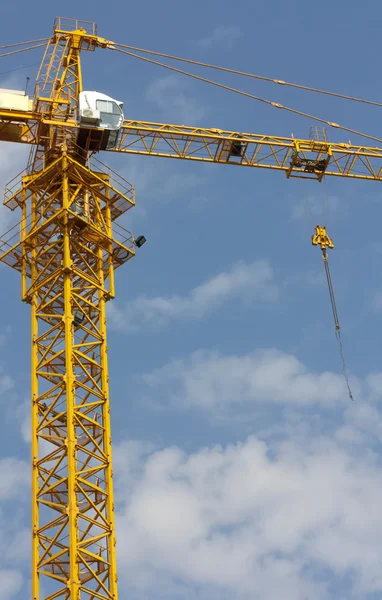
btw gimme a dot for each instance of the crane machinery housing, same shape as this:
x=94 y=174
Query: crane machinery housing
x=67 y=247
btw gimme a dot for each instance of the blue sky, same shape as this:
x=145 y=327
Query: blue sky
x=242 y=468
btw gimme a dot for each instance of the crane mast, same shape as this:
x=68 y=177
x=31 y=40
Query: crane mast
x=67 y=252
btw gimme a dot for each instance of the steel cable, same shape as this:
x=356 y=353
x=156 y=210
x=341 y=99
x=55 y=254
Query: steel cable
x=248 y=95
x=24 y=43
x=251 y=75
x=21 y=50
x=336 y=321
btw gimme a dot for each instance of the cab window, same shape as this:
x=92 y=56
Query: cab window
x=108 y=107
x=111 y=114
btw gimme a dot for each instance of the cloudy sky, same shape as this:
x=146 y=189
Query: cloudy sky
x=243 y=470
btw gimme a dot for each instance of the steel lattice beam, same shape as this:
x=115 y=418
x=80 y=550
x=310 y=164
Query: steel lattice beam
x=67 y=260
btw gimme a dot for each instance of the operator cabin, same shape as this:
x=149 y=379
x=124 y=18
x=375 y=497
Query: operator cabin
x=99 y=117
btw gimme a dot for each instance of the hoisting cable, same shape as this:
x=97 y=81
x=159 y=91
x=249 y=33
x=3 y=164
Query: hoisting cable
x=251 y=75
x=21 y=50
x=248 y=95
x=321 y=238
x=19 y=68
x=24 y=43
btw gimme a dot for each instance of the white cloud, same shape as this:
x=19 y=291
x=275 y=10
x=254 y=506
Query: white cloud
x=15 y=481
x=14 y=477
x=244 y=282
x=312 y=278
x=318 y=207
x=6 y=383
x=22 y=416
x=18 y=546
x=158 y=184
x=171 y=95
x=10 y=583
x=252 y=520
x=13 y=159
x=374 y=381
x=210 y=381
x=223 y=36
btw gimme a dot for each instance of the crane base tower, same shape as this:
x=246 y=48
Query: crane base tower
x=66 y=249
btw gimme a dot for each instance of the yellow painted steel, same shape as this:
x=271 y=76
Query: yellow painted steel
x=66 y=247
x=321 y=238
x=295 y=157
x=66 y=260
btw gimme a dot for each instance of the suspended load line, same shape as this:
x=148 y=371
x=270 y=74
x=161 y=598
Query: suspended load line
x=321 y=238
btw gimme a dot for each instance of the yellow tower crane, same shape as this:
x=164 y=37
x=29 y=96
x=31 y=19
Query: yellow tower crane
x=67 y=247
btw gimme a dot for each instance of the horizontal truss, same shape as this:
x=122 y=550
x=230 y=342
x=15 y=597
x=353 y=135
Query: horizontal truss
x=296 y=157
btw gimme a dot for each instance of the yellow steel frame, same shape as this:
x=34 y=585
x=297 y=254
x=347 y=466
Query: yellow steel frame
x=59 y=83
x=67 y=247
x=295 y=157
x=66 y=260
